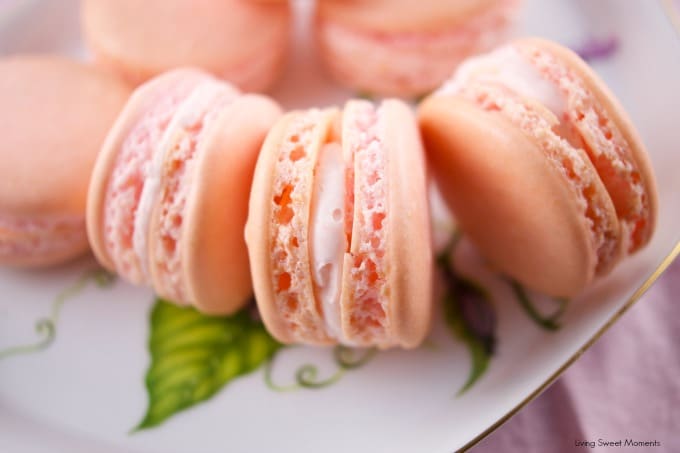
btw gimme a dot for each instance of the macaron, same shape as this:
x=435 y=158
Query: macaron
x=541 y=165
x=168 y=199
x=241 y=41
x=406 y=47
x=53 y=119
x=338 y=228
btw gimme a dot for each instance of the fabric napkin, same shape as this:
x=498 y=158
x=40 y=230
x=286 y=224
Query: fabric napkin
x=625 y=387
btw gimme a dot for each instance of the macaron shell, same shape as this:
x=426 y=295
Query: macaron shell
x=365 y=292
x=617 y=113
x=215 y=265
x=309 y=317
x=257 y=230
x=141 y=39
x=56 y=111
x=401 y=15
x=259 y=233
x=409 y=233
x=140 y=101
x=183 y=142
x=507 y=198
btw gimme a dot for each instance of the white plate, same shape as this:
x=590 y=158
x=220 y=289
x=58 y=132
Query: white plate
x=86 y=391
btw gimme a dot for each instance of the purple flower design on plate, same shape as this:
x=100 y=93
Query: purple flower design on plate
x=598 y=49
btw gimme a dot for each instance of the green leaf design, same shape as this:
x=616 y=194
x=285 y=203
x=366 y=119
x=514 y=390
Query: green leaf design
x=480 y=354
x=469 y=314
x=352 y=358
x=307 y=375
x=46 y=327
x=550 y=322
x=193 y=356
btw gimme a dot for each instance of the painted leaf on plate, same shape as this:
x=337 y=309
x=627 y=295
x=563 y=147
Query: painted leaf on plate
x=46 y=327
x=549 y=322
x=469 y=314
x=193 y=356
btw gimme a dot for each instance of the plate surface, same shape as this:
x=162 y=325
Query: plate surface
x=86 y=391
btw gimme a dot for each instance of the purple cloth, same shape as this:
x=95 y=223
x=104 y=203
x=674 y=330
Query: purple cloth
x=627 y=386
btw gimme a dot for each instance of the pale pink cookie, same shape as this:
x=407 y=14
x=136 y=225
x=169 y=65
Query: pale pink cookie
x=53 y=119
x=406 y=47
x=242 y=41
x=338 y=228
x=541 y=165
x=169 y=194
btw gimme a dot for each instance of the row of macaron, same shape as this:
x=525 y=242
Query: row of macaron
x=385 y=47
x=540 y=164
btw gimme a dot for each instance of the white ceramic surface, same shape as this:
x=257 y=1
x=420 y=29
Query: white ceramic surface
x=86 y=391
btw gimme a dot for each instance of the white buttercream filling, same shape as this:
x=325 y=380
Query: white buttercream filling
x=328 y=234
x=189 y=114
x=507 y=67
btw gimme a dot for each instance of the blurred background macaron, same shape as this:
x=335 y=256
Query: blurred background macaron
x=541 y=165
x=406 y=47
x=54 y=116
x=242 y=41
x=168 y=199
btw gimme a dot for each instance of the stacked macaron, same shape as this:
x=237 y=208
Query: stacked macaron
x=338 y=229
x=541 y=165
x=168 y=197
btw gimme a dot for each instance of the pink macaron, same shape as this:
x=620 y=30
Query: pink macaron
x=541 y=165
x=338 y=228
x=54 y=116
x=169 y=195
x=406 y=47
x=241 y=41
